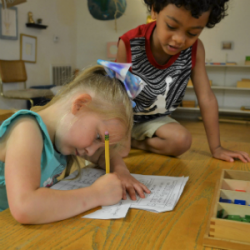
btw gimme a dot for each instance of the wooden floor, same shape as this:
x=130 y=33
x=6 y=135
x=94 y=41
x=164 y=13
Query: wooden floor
x=181 y=229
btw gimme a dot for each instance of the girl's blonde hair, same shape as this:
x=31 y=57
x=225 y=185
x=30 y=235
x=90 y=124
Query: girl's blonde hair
x=109 y=99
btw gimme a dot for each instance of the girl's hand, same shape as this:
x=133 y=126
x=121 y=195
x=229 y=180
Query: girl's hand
x=108 y=189
x=130 y=184
x=228 y=155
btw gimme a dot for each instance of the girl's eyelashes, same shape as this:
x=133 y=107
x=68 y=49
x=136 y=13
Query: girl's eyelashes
x=98 y=137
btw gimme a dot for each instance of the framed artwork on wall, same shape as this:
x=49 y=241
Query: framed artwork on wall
x=28 y=48
x=8 y=23
x=227 y=45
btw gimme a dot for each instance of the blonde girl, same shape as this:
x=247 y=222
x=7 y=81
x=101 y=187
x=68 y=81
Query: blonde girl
x=36 y=146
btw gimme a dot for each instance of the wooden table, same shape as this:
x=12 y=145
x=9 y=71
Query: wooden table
x=181 y=229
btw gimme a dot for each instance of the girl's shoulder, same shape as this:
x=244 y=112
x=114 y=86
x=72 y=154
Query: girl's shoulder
x=21 y=118
x=23 y=126
x=25 y=122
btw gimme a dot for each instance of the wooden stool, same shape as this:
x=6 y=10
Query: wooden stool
x=5 y=113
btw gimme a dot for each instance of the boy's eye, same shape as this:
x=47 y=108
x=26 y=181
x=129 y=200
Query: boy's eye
x=170 y=27
x=191 y=34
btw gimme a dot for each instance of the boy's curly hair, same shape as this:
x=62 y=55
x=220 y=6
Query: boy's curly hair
x=196 y=7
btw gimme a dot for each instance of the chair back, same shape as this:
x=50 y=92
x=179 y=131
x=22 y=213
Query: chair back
x=5 y=114
x=12 y=71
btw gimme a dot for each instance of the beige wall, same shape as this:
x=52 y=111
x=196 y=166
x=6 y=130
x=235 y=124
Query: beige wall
x=83 y=39
x=93 y=34
x=235 y=28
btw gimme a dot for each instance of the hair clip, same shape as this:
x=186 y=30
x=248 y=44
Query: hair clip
x=133 y=84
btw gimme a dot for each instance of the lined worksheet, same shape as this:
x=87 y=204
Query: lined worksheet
x=165 y=193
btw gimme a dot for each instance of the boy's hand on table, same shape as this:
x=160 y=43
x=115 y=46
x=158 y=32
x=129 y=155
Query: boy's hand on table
x=130 y=184
x=228 y=155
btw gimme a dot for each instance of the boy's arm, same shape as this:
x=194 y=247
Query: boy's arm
x=209 y=110
x=121 y=52
x=117 y=164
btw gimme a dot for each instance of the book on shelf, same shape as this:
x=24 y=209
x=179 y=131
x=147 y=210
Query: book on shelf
x=216 y=63
x=231 y=63
x=221 y=63
x=189 y=104
x=245 y=108
x=190 y=83
x=243 y=84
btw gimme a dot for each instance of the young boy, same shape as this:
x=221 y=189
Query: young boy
x=165 y=54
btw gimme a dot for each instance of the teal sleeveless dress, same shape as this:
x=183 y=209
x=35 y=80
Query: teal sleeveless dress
x=52 y=163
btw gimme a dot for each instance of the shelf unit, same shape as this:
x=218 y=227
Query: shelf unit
x=225 y=88
x=224 y=85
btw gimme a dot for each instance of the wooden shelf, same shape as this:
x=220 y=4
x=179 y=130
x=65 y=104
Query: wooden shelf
x=224 y=88
x=36 y=26
x=229 y=66
x=221 y=110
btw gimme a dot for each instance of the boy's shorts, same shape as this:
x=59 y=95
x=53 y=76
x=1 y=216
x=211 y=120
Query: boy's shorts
x=145 y=130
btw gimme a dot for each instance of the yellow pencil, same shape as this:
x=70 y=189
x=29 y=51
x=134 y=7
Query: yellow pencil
x=107 y=152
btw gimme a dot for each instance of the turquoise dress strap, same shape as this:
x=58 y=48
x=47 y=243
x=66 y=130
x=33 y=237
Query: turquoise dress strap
x=52 y=163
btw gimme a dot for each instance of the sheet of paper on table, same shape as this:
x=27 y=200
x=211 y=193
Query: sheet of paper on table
x=165 y=193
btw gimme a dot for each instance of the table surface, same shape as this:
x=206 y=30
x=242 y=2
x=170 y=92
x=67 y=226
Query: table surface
x=182 y=228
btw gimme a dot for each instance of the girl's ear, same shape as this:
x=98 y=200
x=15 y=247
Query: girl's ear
x=80 y=102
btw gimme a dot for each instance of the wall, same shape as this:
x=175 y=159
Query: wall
x=235 y=28
x=60 y=17
x=93 y=34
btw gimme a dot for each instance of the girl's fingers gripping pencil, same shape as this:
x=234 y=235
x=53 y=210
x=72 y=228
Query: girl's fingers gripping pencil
x=107 y=152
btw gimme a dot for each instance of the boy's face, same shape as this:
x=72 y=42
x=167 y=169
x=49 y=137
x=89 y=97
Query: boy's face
x=176 y=29
x=86 y=135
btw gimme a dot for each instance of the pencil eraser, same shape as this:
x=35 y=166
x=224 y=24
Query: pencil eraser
x=106 y=132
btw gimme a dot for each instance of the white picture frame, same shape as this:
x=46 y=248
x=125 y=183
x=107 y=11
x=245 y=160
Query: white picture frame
x=8 y=23
x=28 y=48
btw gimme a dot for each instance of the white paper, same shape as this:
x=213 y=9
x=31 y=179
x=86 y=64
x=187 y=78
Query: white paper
x=165 y=193
x=111 y=212
x=88 y=176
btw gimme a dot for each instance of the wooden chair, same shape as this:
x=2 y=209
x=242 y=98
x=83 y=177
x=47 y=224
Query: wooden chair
x=5 y=114
x=13 y=71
